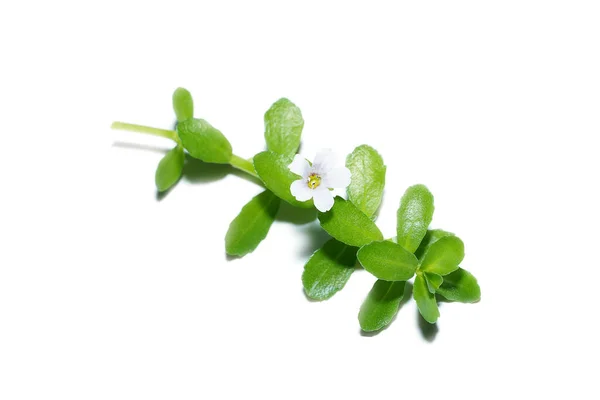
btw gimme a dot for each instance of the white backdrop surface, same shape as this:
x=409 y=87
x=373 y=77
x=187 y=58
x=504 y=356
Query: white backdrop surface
x=108 y=291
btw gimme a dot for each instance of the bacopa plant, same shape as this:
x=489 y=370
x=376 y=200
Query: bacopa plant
x=431 y=257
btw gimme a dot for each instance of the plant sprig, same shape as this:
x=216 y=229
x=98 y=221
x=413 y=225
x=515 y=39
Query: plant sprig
x=432 y=257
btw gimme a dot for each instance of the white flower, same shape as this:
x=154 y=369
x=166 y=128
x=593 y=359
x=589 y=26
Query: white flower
x=318 y=179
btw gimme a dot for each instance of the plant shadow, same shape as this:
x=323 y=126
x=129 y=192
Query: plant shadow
x=200 y=172
x=296 y=215
x=317 y=237
x=428 y=331
x=144 y=147
x=408 y=288
x=229 y=257
x=194 y=170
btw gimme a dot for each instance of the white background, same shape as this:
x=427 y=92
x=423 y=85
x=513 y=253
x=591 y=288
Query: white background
x=108 y=293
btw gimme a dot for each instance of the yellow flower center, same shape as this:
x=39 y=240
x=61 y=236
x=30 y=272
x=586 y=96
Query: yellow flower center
x=314 y=181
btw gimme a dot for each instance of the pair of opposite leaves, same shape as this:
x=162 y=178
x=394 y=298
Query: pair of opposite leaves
x=197 y=136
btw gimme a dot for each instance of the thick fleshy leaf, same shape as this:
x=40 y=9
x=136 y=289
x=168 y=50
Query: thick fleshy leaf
x=461 y=286
x=328 y=270
x=414 y=216
x=252 y=224
x=273 y=170
x=349 y=225
x=425 y=300
x=388 y=261
x=381 y=304
x=169 y=169
x=443 y=256
x=203 y=141
x=433 y=281
x=283 y=127
x=432 y=236
x=368 y=178
x=183 y=104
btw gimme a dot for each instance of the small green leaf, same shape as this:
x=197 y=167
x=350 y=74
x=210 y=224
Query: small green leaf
x=169 y=169
x=204 y=142
x=283 y=127
x=388 y=261
x=432 y=236
x=368 y=178
x=252 y=224
x=349 y=225
x=273 y=170
x=425 y=300
x=443 y=256
x=433 y=281
x=328 y=270
x=414 y=216
x=461 y=286
x=381 y=304
x=183 y=104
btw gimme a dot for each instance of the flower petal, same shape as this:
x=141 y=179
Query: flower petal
x=300 y=190
x=323 y=198
x=337 y=178
x=324 y=161
x=300 y=166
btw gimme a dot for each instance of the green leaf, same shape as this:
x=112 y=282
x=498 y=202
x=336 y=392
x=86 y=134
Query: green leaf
x=328 y=270
x=381 y=304
x=425 y=300
x=252 y=224
x=283 y=127
x=433 y=281
x=169 y=169
x=273 y=170
x=388 y=261
x=368 y=179
x=183 y=104
x=204 y=142
x=461 y=286
x=349 y=225
x=432 y=236
x=414 y=216
x=443 y=256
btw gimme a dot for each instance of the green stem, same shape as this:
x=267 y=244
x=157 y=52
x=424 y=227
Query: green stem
x=148 y=130
x=242 y=164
